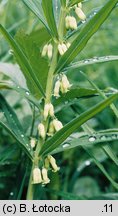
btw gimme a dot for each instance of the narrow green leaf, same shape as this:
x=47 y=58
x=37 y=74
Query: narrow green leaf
x=91 y=61
x=101 y=167
x=68 y=129
x=22 y=60
x=86 y=33
x=100 y=138
x=49 y=14
x=14 y=126
x=24 y=93
x=36 y=8
x=108 y=150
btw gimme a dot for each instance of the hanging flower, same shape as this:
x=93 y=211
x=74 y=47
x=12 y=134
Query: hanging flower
x=65 y=84
x=48 y=111
x=51 y=129
x=62 y=48
x=57 y=125
x=80 y=13
x=71 y=22
x=47 y=51
x=46 y=180
x=41 y=130
x=37 y=179
x=50 y=51
x=53 y=163
x=57 y=88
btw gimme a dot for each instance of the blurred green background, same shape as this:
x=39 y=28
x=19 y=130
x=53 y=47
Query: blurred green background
x=78 y=175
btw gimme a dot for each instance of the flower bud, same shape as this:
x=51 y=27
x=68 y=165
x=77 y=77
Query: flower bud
x=57 y=88
x=33 y=142
x=57 y=125
x=51 y=129
x=37 y=176
x=44 y=51
x=51 y=110
x=41 y=130
x=50 y=51
x=53 y=163
x=80 y=13
x=46 y=180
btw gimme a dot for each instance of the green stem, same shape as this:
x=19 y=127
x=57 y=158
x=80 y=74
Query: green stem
x=49 y=88
x=30 y=186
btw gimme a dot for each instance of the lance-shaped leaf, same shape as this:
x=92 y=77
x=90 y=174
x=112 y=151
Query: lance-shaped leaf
x=91 y=61
x=86 y=33
x=72 y=126
x=24 y=93
x=98 y=138
x=13 y=126
x=22 y=60
x=36 y=8
x=49 y=14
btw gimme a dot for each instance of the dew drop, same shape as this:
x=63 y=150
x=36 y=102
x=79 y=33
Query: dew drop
x=103 y=137
x=27 y=93
x=86 y=61
x=106 y=57
x=65 y=145
x=10 y=115
x=92 y=139
x=11 y=193
x=22 y=135
x=95 y=13
x=87 y=163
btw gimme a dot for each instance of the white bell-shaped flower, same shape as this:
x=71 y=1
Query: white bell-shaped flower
x=53 y=163
x=57 y=125
x=57 y=88
x=44 y=51
x=41 y=130
x=50 y=51
x=46 y=180
x=80 y=13
x=37 y=179
x=65 y=84
x=51 y=130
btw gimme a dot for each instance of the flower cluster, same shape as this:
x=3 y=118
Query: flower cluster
x=41 y=175
x=71 y=22
x=62 y=85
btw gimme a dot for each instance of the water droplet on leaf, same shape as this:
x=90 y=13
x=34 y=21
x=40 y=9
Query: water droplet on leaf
x=92 y=139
